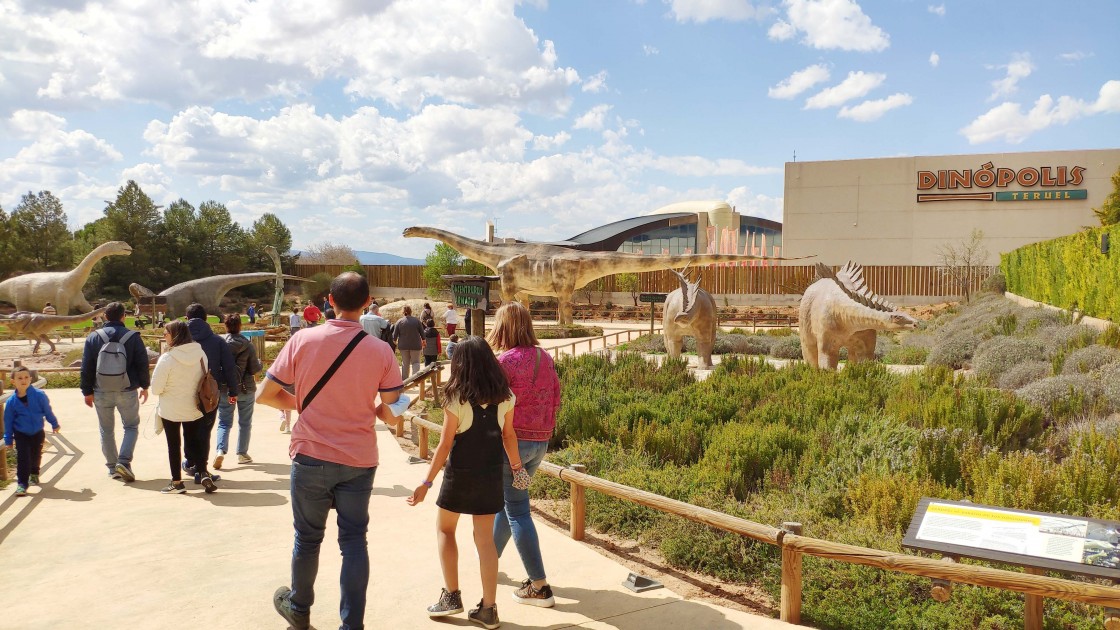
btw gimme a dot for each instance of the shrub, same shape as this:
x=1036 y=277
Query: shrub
x=1110 y=337
x=1024 y=374
x=997 y=355
x=1058 y=396
x=995 y=283
x=1058 y=339
x=1109 y=379
x=906 y=355
x=63 y=380
x=787 y=348
x=1089 y=358
x=953 y=352
x=566 y=331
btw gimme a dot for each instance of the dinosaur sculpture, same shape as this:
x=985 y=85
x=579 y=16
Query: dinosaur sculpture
x=206 y=291
x=839 y=311
x=690 y=310
x=278 y=294
x=63 y=289
x=541 y=269
x=37 y=326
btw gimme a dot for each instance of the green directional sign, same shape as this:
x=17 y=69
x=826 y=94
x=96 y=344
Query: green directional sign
x=652 y=298
x=470 y=294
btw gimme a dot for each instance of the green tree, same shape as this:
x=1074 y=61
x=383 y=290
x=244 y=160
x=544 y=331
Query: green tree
x=223 y=243
x=269 y=230
x=446 y=260
x=135 y=219
x=40 y=235
x=179 y=237
x=7 y=254
x=630 y=283
x=1109 y=212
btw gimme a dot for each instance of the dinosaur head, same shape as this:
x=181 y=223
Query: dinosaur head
x=901 y=321
x=415 y=231
x=688 y=295
x=139 y=291
x=115 y=248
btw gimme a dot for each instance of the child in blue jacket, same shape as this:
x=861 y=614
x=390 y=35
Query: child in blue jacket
x=23 y=425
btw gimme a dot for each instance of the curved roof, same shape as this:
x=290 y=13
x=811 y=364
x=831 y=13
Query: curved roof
x=610 y=237
x=693 y=207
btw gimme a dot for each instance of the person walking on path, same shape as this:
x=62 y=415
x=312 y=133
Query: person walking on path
x=175 y=381
x=477 y=428
x=252 y=313
x=431 y=344
x=247 y=364
x=450 y=319
x=408 y=335
x=293 y=322
x=219 y=360
x=532 y=377
x=311 y=316
x=114 y=367
x=337 y=372
x=426 y=316
x=23 y=426
x=372 y=322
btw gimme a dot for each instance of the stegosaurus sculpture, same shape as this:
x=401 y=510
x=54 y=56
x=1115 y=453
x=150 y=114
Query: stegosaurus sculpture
x=840 y=311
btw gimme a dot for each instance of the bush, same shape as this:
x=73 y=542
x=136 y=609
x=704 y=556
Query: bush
x=1089 y=358
x=995 y=283
x=1059 y=339
x=1023 y=374
x=906 y=355
x=997 y=355
x=63 y=380
x=953 y=352
x=787 y=348
x=1058 y=396
x=1109 y=379
x=1110 y=337
x=566 y=331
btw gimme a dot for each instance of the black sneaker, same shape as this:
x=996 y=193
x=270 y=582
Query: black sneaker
x=208 y=483
x=449 y=604
x=282 y=601
x=175 y=487
x=534 y=597
x=113 y=474
x=125 y=472
x=188 y=468
x=485 y=616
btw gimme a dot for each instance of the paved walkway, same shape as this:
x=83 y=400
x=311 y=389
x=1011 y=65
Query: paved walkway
x=86 y=551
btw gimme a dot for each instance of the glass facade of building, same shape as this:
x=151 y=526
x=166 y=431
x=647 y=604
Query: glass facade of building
x=678 y=239
x=757 y=232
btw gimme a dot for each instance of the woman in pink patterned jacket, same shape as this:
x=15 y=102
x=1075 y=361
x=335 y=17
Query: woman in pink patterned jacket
x=532 y=377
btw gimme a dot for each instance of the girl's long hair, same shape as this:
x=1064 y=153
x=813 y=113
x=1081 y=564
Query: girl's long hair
x=476 y=376
x=513 y=327
x=180 y=333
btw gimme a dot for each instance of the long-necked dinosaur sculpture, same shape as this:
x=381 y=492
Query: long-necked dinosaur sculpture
x=63 y=289
x=840 y=311
x=37 y=326
x=206 y=291
x=540 y=269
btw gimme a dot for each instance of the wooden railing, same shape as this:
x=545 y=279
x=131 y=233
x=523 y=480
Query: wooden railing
x=570 y=348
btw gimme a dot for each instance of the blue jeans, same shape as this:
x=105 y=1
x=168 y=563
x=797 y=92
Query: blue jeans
x=516 y=518
x=245 y=404
x=314 y=484
x=128 y=404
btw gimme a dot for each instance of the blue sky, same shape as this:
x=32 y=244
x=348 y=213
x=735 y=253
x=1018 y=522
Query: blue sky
x=354 y=119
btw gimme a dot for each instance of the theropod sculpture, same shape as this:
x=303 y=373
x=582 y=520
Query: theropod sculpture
x=37 y=326
x=839 y=311
x=206 y=291
x=690 y=310
x=541 y=269
x=63 y=289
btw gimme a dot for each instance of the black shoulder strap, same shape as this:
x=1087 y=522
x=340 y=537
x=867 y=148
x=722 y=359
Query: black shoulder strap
x=332 y=369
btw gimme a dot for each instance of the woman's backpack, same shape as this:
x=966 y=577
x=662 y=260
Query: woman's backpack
x=207 y=394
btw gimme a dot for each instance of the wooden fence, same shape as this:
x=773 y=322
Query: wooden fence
x=718 y=280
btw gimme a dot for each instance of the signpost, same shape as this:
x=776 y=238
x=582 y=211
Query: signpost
x=472 y=292
x=154 y=306
x=652 y=298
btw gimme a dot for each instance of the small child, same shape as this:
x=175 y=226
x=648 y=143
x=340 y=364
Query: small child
x=431 y=344
x=451 y=343
x=285 y=421
x=478 y=424
x=23 y=425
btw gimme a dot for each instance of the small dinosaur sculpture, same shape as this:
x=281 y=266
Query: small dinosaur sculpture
x=541 y=269
x=839 y=311
x=63 y=289
x=206 y=291
x=37 y=326
x=690 y=310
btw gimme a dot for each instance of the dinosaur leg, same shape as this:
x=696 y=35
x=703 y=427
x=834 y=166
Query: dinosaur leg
x=704 y=351
x=47 y=339
x=673 y=344
x=808 y=345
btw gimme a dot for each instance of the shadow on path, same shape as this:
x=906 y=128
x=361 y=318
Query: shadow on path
x=64 y=452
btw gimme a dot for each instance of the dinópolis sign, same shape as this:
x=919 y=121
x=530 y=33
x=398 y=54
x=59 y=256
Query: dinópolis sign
x=1049 y=183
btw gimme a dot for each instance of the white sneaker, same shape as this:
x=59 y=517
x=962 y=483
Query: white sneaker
x=218 y=459
x=243 y=458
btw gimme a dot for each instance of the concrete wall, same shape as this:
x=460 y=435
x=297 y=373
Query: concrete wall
x=867 y=210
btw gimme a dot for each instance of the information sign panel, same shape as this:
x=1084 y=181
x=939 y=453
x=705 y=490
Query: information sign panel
x=1072 y=544
x=652 y=298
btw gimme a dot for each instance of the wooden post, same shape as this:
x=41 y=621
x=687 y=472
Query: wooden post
x=578 y=498
x=1032 y=611
x=1112 y=619
x=942 y=590
x=791 y=578
x=423 y=442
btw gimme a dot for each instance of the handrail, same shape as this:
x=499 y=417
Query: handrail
x=555 y=351
x=793 y=545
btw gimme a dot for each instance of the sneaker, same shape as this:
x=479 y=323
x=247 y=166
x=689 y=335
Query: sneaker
x=113 y=474
x=449 y=604
x=33 y=481
x=282 y=601
x=485 y=616
x=218 y=459
x=125 y=472
x=243 y=458
x=21 y=491
x=187 y=468
x=533 y=597
x=284 y=427
x=175 y=487
x=208 y=483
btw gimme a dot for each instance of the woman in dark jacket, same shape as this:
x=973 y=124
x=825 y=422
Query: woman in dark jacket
x=247 y=364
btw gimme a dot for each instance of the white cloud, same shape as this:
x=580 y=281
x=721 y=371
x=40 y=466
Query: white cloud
x=649 y=50
x=755 y=205
x=934 y=59
x=1009 y=123
x=548 y=143
x=868 y=111
x=28 y=124
x=701 y=11
x=799 y=81
x=857 y=85
x=595 y=83
x=1019 y=69
x=938 y=10
x=593 y=119
x=1075 y=56
x=830 y=24
x=695 y=166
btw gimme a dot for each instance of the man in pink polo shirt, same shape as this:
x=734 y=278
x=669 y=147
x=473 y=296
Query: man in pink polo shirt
x=334 y=445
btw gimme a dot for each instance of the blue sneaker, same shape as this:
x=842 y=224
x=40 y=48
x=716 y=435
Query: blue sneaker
x=21 y=491
x=187 y=468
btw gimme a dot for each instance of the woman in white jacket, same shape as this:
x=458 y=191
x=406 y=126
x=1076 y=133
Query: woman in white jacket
x=175 y=381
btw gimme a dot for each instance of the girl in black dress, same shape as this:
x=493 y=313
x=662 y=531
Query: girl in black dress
x=477 y=425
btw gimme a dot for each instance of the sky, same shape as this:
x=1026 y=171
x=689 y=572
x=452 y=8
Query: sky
x=353 y=119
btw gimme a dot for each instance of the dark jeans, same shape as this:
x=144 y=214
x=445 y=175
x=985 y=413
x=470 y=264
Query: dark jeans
x=29 y=453
x=315 y=483
x=171 y=429
x=198 y=442
x=430 y=358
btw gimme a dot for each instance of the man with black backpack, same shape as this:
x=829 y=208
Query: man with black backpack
x=219 y=359
x=114 y=366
